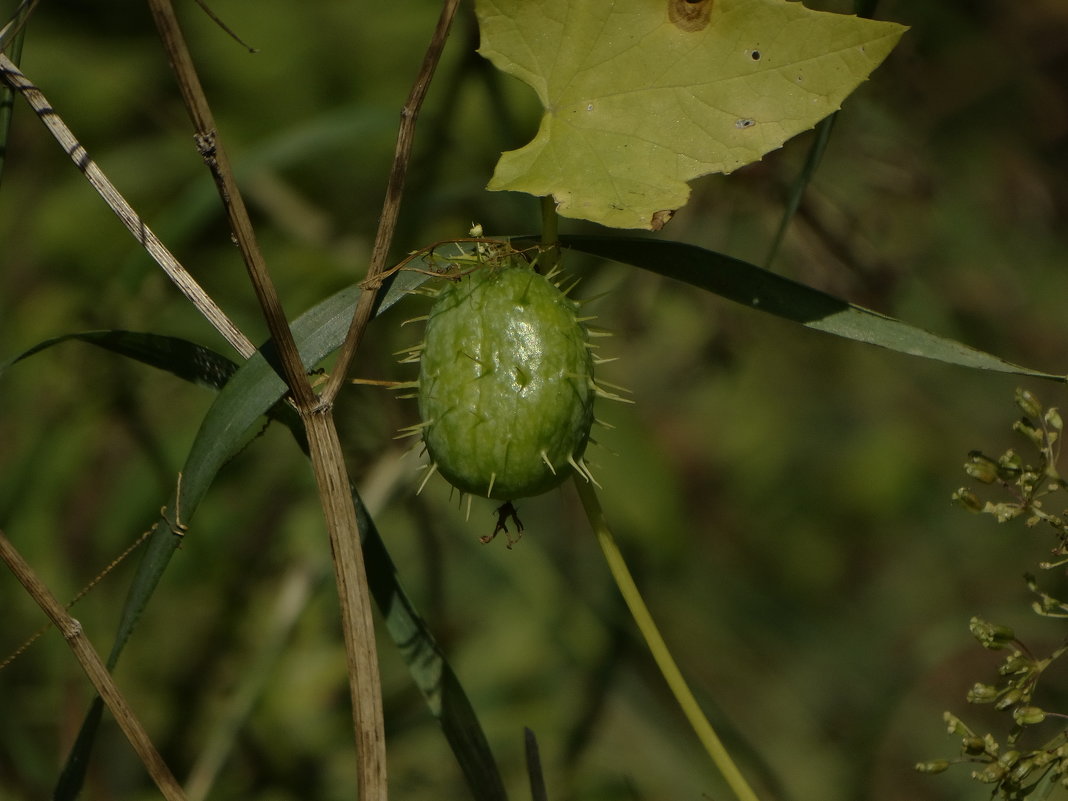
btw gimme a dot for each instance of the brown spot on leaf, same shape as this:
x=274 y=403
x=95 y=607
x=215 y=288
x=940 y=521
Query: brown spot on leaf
x=690 y=15
x=661 y=218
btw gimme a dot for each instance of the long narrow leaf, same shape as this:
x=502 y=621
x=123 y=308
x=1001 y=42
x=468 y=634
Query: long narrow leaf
x=797 y=189
x=185 y=359
x=430 y=670
x=862 y=8
x=765 y=291
x=254 y=390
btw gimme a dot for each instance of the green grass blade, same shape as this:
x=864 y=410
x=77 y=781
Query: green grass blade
x=797 y=190
x=767 y=292
x=187 y=360
x=431 y=672
x=252 y=390
x=72 y=777
x=246 y=394
x=862 y=8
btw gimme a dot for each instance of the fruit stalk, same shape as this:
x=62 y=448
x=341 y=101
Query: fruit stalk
x=647 y=626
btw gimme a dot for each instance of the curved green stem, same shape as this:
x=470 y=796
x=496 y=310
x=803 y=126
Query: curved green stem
x=670 y=671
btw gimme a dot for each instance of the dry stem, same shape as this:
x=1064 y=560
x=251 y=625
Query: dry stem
x=327 y=460
x=391 y=205
x=13 y=78
x=94 y=668
x=316 y=413
x=211 y=150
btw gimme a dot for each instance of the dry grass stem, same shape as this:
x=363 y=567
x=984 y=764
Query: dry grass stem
x=11 y=76
x=324 y=447
x=209 y=144
x=94 y=668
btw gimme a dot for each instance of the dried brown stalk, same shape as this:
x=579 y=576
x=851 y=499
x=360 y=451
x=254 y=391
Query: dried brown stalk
x=324 y=447
x=94 y=668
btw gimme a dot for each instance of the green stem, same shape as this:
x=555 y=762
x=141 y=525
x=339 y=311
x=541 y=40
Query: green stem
x=550 y=237
x=549 y=219
x=812 y=161
x=668 y=669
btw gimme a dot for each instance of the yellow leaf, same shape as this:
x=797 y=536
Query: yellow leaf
x=641 y=96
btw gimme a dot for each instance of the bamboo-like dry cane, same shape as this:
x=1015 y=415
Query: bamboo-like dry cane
x=323 y=444
x=316 y=413
x=13 y=77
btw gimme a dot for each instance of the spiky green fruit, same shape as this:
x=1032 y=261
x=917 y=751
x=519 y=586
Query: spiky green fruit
x=505 y=382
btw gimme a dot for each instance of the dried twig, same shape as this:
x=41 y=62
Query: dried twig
x=387 y=223
x=94 y=668
x=211 y=150
x=323 y=444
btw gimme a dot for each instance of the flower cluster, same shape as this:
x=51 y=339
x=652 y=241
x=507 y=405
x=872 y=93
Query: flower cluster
x=1033 y=755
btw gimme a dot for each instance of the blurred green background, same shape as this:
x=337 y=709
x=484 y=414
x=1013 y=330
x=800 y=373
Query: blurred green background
x=782 y=495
